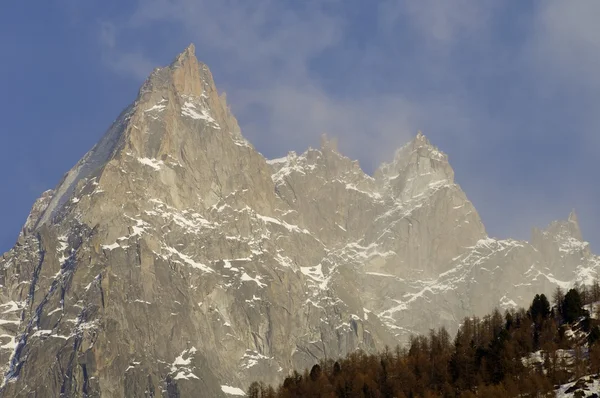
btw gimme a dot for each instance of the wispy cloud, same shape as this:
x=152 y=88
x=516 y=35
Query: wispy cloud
x=272 y=46
x=438 y=22
x=486 y=85
x=132 y=63
x=564 y=52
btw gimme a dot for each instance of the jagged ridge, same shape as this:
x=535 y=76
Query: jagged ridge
x=253 y=267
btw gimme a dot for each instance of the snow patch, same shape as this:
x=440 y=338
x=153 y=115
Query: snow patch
x=233 y=391
x=251 y=358
x=157 y=108
x=181 y=365
x=13 y=306
x=111 y=247
x=276 y=161
x=154 y=163
x=188 y=260
x=247 y=278
x=189 y=109
x=505 y=302
x=11 y=344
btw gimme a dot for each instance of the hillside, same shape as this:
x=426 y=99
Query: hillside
x=539 y=352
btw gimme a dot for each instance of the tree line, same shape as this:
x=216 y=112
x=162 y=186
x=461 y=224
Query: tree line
x=521 y=352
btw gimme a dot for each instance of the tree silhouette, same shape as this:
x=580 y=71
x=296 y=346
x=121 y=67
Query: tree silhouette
x=572 y=306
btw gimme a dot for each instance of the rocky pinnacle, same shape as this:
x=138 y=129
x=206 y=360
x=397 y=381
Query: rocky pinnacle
x=175 y=260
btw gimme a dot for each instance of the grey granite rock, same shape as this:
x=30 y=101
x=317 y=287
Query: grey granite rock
x=174 y=260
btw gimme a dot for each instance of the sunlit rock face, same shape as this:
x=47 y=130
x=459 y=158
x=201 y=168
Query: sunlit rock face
x=175 y=260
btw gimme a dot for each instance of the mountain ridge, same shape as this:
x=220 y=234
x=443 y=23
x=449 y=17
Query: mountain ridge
x=254 y=266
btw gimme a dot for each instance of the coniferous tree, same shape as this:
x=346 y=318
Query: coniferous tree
x=539 y=309
x=492 y=356
x=572 y=306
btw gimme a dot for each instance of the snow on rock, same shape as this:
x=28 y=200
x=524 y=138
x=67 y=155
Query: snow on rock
x=180 y=361
x=186 y=259
x=49 y=333
x=193 y=108
x=181 y=366
x=356 y=252
x=156 y=108
x=54 y=311
x=111 y=247
x=315 y=273
x=188 y=221
x=132 y=366
x=154 y=163
x=247 y=278
x=159 y=107
x=233 y=391
x=11 y=344
x=569 y=245
x=373 y=195
x=586 y=384
x=241 y=142
x=290 y=165
x=13 y=306
x=139 y=228
x=277 y=161
x=586 y=275
x=563 y=284
x=505 y=302
x=251 y=358
x=534 y=358
x=289 y=227
x=60 y=250
x=185 y=375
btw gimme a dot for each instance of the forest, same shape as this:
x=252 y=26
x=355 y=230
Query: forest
x=521 y=352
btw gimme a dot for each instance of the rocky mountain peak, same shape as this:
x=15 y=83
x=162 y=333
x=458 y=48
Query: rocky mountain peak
x=415 y=167
x=574 y=220
x=564 y=228
x=329 y=144
x=178 y=122
x=189 y=54
x=191 y=77
x=184 y=76
x=420 y=137
x=254 y=267
x=561 y=239
x=417 y=150
x=425 y=148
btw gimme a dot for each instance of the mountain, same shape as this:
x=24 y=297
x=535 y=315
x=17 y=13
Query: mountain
x=175 y=260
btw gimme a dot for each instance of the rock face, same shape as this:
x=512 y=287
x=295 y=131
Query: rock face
x=174 y=260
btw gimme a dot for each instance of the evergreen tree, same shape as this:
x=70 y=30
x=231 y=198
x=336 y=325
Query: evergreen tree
x=572 y=306
x=539 y=309
x=491 y=356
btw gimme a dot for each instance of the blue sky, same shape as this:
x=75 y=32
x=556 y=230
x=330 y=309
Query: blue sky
x=510 y=90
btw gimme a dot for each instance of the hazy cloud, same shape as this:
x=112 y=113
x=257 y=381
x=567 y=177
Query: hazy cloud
x=437 y=21
x=451 y=69
x=133 y=63
x=564 y=51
